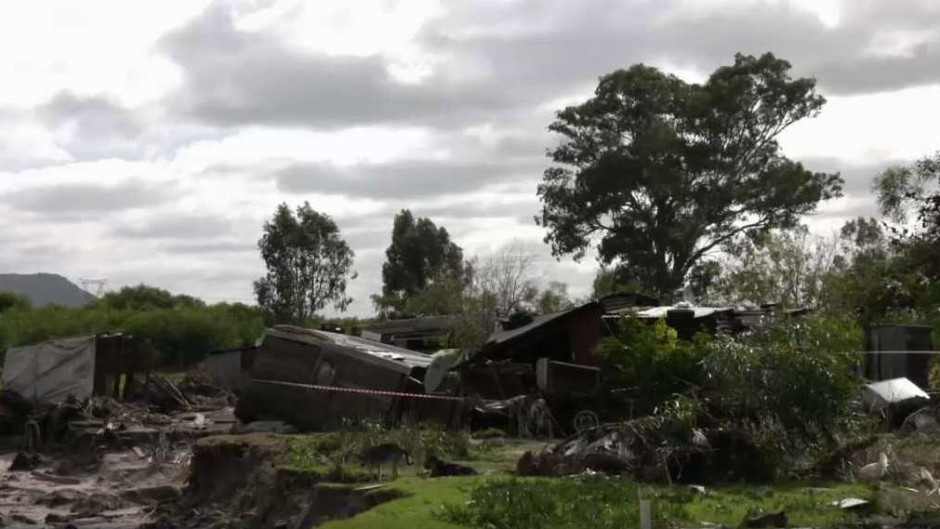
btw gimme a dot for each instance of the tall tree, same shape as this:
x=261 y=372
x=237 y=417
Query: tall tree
x=910 y=197
x=420 y=253
x=507 y=281
x=869 y=277
x=554 y=298
x=308 y=262
x=660 y=172
x=789 y=267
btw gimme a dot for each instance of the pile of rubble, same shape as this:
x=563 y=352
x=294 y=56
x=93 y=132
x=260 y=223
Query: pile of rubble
x=654 y=448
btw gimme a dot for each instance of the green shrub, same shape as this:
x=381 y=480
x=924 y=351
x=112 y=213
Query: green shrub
x=793 y=378
x=651 y=360
x=180 y=335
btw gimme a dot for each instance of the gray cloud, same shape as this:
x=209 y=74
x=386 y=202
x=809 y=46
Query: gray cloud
x=92 y=117
x=234 y=77
x=522 y=54
x=402 y=179
x=577 y=42
x=210 y=247
x=360 y=240
x=859 y=178
x=175 y=226
x=80 y=198
x=489 y=209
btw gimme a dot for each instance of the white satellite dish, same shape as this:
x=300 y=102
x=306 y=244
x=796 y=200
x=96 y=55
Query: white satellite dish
x=441 y=362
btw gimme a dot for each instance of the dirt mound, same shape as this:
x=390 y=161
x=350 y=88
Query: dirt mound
x=234 y=482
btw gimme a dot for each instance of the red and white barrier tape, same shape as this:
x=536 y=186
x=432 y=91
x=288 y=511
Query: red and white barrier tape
x=358 y=390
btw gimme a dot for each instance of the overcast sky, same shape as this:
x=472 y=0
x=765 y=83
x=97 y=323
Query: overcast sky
x=148 y=141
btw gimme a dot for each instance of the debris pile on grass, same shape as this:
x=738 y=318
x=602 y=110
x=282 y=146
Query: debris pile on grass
x=656 y=449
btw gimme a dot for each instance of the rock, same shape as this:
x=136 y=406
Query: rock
x=54 y=517
x=23 y=462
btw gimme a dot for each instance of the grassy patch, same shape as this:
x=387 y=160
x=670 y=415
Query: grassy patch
x=613 y=503
x=497 y=500
x=332 y=454
x=522 y=503
x=419 y=506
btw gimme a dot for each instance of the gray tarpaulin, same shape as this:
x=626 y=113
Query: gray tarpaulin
x=53 y=370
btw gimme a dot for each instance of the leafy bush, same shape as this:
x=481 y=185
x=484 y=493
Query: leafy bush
x=651 y=360
x=179 y=335
x=793 y=378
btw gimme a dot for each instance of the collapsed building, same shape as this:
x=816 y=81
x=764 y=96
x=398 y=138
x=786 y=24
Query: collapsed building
x=316 y=380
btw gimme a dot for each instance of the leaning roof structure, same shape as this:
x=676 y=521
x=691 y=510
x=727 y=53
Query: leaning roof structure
x=385 y=353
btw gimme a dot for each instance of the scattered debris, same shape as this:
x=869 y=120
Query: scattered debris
x=852 y=504
x=654 y=448
x=894 y=399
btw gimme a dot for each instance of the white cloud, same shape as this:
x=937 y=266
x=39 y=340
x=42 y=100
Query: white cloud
x=88 y=47
x=904 y=125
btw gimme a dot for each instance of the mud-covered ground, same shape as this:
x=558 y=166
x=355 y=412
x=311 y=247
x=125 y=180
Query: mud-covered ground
x=103 y=473
x=114 y=489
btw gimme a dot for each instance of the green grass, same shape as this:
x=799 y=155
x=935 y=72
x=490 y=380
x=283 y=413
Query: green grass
x=569 y=503
x=497 y=500
x=602 y=502
x=805 y=504
x=418 y=507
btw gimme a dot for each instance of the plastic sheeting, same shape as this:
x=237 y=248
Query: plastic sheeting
x=897 y=391
x=53 y=370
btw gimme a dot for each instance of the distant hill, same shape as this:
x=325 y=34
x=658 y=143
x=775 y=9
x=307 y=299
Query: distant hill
x=45 y=289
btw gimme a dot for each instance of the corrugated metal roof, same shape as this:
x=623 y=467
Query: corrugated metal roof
x=504 y=336
x=626 y=301
x=501 y=337
x=661 y=312
x=388 y=353
x=425 y=323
